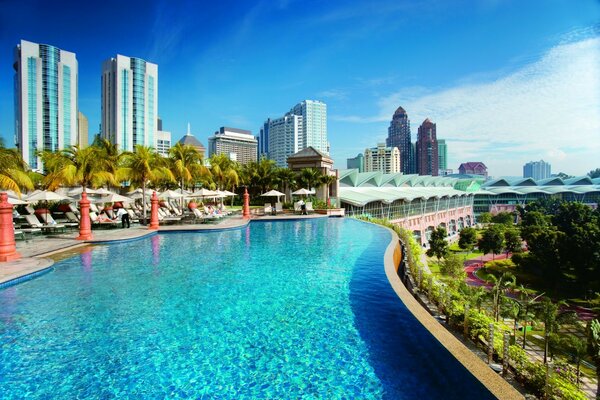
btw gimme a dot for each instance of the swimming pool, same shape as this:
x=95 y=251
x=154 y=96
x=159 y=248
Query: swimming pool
x=296 y=309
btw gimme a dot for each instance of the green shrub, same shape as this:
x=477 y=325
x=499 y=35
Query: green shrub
x=561 y=388
x=500 y=265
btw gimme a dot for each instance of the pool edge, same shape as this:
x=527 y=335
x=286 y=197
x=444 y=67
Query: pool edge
x=480 y=370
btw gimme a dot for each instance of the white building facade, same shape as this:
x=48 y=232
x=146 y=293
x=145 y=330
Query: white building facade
x=382 y=158
x=129 y=102
x=303 y=126
x=163 y=143
x=45 y=100
x=237 y=144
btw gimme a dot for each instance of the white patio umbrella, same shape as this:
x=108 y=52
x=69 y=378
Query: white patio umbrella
x=79 y=190
x=227 y=193
x=302 y=192
x=46 y=195
x=273 y=193
x=204 y=193
x=137 y=193
x=113 y=198
x=170 y=194
x=16 y=202
x=103 y=191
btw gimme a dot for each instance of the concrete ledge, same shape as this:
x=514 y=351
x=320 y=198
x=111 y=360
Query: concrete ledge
x=490 y=379
x=23 y=269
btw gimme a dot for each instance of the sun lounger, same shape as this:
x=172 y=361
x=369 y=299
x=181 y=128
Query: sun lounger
x=278 y=208
x=48 y=220
x=268 y=210
x=132 y=216
x=30 y=210
x=73 y=209
x=96 y=221
x=309 y=207
x=297 y=208
x=72 y=217
x=34 y=222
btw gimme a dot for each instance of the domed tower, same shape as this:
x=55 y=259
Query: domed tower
x=399 y=136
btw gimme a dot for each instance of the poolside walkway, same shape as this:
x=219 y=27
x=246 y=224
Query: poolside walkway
x=35 y=250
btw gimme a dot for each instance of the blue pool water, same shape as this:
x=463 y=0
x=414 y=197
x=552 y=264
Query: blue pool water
x=276 y=310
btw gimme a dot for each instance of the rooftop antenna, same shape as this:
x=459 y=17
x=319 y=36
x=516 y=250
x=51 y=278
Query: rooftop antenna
x=188 y=129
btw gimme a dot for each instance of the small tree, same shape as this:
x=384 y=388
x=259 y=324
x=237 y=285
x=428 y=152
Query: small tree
x=492 y=240
x=512 y=241
x=438 y=246
x=504 y=218
x=578 y=348
x=484 y=218
x=552 y=317
x=467 y=239
x=593 y=347
x=452 y=266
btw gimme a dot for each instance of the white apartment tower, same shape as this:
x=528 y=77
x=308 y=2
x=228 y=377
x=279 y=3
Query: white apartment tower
x=305 y=125
x=382 y=158
x=129 y=102
x=45 y=100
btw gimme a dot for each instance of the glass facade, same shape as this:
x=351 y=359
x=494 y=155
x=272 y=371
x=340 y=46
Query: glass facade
x=66 y=105
x=403 y=209
x=124 y=107
x=50 y=56
x=138 y=68
x=151 y=117
x=32 y=110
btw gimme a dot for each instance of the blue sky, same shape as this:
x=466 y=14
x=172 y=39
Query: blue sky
x=506 y=81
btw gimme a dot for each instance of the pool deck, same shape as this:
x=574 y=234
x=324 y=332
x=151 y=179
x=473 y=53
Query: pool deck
x=35 y=251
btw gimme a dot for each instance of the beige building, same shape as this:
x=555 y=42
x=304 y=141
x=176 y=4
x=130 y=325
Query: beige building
x=382 y=158
x=82 y=130
x=237 y=144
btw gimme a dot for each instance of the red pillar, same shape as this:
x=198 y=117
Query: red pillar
x=246 y=206
x=153 y=211
x=85 y=225
x=8 y=248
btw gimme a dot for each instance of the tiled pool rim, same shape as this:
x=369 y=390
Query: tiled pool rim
x=479 y=369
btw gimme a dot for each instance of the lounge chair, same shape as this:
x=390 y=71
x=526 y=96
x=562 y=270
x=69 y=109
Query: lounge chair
x=72 y=217
x=309 y=207
x=74 y=209
x=268 y=209
x=97 y=222
x=132 y=216
x=278 y=208
x=48 y=220
x=30 y=210
x=34 y=222
x=297 y=208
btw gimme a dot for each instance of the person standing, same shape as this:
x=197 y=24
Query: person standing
x=124 y=217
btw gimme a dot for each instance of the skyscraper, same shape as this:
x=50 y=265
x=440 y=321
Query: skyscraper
x=45 y=99
x=427 y=149
x=399 y=136
x=442 y=154
x=357 y=162
x=314 y=124
x=537 y=170
x=82 y=130
x=305 y=125
x=129 y=102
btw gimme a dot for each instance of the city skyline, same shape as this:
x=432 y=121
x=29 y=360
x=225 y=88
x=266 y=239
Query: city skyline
x=526 y=92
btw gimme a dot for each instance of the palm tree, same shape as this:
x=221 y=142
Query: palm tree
x=527 y=304
x=224 y=171
x=13 y=171
x=328 y=180
x=578 y=348
x=142 y=167
x=552 y=317
x=76 y=166
x=310 y=177
x=259 y=174
x=186 y=165
x=498 y=291
x=286 y=178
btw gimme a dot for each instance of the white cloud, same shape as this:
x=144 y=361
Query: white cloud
x=547 y=109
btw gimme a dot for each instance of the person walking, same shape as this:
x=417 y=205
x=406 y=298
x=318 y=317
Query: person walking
x=124 y=217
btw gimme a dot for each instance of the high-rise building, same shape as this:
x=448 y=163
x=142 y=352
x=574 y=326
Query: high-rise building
x=382 y=158
x=45 y=99
x=304 y=126
x=82 y=130
x=427 y=149
x=314 y=124
x=442 y=155
x=163 y=143
x=537 y=170
x=129 y=102
x=285 y=138
x=263 y=140
x=399 y=136
x=357 y=162
x=237 y=144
